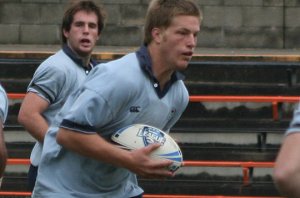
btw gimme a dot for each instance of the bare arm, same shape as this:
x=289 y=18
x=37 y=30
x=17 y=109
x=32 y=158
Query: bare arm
x=287 y=166
x=94 y=146
x=30 y=115
x=3 y=151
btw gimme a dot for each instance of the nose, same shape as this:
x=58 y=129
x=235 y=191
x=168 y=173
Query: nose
x=86 y=28
x=192 y=41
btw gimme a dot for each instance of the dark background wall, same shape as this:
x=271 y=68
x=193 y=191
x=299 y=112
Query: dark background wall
x=227 y=23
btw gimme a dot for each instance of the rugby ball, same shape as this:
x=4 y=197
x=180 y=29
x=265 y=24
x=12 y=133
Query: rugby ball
x=139 y=135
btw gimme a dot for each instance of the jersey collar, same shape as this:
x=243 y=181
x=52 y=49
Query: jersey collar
x=146 y=64
x=77 y=60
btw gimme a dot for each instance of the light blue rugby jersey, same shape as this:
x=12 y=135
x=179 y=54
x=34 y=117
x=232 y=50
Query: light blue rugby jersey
x=294 y=126
x=54 y=80
x=3 y=105
x=115 y=95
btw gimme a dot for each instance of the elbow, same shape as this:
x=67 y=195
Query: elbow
x=22 y=117
x=3 y=161
x=63 y=137
x=284 y=179
x=60 y=138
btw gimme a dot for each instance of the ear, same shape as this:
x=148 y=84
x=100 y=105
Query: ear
x=156 y=35
x=66 y=33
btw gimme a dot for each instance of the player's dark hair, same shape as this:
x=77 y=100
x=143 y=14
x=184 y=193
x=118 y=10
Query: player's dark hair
x=84 y=5
x=161 y=13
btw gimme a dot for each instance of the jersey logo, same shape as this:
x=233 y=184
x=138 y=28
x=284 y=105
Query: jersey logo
x=135 y=109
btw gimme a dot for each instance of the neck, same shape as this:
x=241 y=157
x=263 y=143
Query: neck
x=160 y=68
x=84 y=58
x=86 y=61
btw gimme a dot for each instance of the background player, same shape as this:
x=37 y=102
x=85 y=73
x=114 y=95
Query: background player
x=3 y=115
x=61 y=74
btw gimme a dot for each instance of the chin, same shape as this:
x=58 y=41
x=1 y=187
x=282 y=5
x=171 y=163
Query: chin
x=84 y=52
x=182 y=67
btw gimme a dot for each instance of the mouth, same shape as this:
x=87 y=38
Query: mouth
x=188 y=54
x=85 y=42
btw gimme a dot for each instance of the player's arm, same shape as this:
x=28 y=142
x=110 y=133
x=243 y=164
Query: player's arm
x=3 y=151
x=30 y=115
x=94 y=146
x=287 y=166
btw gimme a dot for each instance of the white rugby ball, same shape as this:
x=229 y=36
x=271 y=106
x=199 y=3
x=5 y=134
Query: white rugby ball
x=139 y=135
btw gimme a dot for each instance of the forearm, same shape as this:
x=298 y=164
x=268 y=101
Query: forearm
x=95 y=147
x=36 y=125
x=3 y=152
x=137 y=161
x=290 y=188
x=287 y=166
x=31 y=116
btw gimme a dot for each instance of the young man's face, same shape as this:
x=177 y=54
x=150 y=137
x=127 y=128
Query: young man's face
x=83 y=33
x=179 y=41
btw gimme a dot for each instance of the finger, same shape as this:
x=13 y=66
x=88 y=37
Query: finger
x=162 y=173
x=151 y=147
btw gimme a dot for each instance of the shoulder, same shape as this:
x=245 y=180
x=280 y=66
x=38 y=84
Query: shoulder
x=3 y=104
x=57 y=62
x=123 y=64
x=181 y=92
x=119 y=77
x=55 y=66
x=125 y=69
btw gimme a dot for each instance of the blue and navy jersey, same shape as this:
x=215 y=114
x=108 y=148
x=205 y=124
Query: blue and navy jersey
x=54 y=80
x=294 y=126
x=3 y=105
x=114 y=95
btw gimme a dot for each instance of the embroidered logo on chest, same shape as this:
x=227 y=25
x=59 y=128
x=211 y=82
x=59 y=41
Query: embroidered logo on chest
x=135 y=109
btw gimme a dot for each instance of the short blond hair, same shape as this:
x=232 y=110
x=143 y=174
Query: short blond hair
x=160 y=14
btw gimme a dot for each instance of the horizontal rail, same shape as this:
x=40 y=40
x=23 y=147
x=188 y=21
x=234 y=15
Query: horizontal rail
x=15 y=95
x=18 y=161
x=226 y=98
x=11 y=193
x=201 y=196
x=187 y=163
x=14 y=193
x=215 y=98
x=228 y=164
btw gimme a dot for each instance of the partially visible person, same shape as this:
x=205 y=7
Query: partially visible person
x=3 y=115
x=287 y=165
x=61 y=74
x=79 y=159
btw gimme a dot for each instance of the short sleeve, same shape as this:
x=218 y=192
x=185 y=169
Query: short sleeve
x=295 y=123
x=87 y=112
x=3 y=105
x=47 y=82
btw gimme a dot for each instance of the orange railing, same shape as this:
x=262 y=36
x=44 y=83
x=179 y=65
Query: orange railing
x=4 y=193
